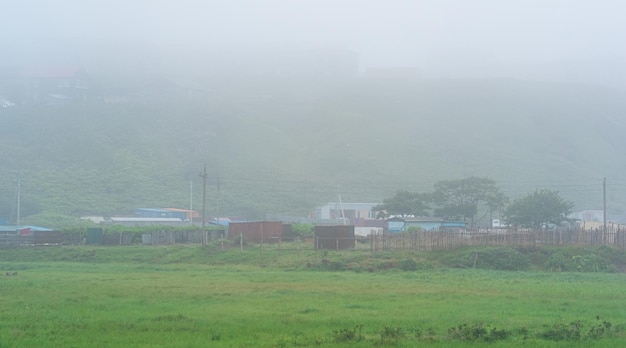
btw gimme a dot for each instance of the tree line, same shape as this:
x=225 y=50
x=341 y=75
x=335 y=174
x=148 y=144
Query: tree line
x=463 y=199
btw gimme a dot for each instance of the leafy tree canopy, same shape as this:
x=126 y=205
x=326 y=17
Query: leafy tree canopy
x=404 y=203
x=461 y=199
x=538 y=209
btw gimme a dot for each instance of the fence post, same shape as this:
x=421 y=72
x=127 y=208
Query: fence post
x=385 y=240
x=316 y=248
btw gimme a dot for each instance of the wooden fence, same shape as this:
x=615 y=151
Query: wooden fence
x=421 y=240
x=439 y=240
x=522 y=238
x=12 y=239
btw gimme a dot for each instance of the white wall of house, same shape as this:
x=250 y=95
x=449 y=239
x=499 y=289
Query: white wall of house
x=358 y=210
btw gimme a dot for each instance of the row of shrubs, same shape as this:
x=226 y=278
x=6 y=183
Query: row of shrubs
x=603 y=259
x=478 y=332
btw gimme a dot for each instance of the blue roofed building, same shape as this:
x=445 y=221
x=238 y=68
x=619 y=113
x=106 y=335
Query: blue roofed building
x=161 y=213
x=425 y=223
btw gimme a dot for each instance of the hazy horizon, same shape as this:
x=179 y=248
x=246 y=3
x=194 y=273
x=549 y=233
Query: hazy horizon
x=553 y=40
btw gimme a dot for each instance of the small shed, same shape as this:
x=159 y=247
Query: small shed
x=28 y=235
x=94 y=235
x=334 y=237
x=256 y=232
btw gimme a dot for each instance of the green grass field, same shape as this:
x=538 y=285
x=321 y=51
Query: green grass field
x=189 y=296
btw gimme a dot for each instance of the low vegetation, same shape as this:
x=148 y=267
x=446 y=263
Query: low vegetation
x=182 y=295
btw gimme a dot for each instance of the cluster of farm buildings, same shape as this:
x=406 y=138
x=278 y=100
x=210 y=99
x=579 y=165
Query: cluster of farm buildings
x=337 y=225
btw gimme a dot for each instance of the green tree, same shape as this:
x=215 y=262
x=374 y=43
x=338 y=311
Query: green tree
x=461 y=199
x=404 y=203
x=537 y=209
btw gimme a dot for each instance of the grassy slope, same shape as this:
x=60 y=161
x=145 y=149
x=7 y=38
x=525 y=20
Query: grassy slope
x=289 y=148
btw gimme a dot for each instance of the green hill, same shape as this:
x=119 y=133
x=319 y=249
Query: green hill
x=286 y=147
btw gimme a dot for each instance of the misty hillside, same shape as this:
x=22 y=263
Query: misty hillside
x=288 y=146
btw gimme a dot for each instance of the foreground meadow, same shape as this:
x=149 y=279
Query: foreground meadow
x=184 y=297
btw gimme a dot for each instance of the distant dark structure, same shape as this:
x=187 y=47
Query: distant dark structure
x=334 y=237
x=256 y=232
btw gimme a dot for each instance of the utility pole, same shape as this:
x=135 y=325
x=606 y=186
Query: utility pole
x=19 y=193
x=604 y=200
x=218 y=200
x=204 y=176
x=191 y=202
x=222 y=233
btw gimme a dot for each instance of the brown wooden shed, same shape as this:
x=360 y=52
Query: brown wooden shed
x=334 y=237
x=256 y=232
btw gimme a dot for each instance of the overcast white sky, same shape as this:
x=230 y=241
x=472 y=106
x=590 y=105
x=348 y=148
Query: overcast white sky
x=436 y=35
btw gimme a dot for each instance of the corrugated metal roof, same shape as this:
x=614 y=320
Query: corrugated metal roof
x=38 y=228
x=158 y=210
x=143 y=219
x=13 y=228
x=416 y=219
x=178 y=209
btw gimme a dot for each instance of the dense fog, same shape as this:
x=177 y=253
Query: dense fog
x=562 y=40
x=295 y=102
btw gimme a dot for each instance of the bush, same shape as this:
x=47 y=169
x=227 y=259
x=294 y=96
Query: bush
x=506 y=259
x=408 y=265
x=333 y=265
x=477 y=332
x=391 y=335
x=591 y=263
x=347 y=335
x=303 y=230
x=561 y=332
x=575 y=331
x=600 y=259
x=600 y=330
x=556 y=262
